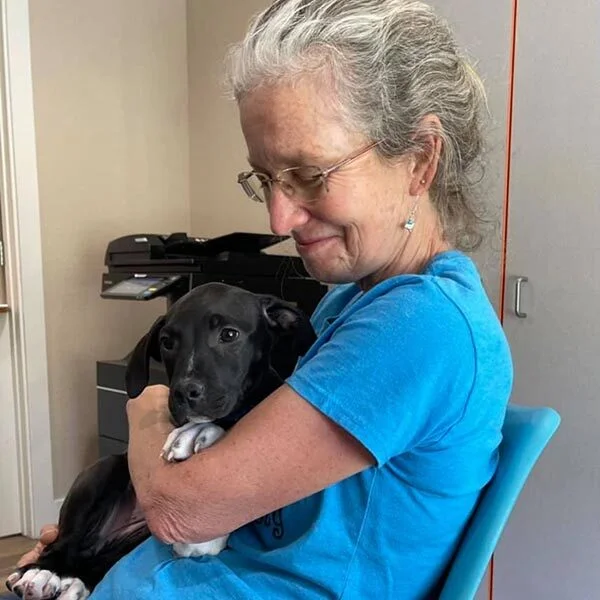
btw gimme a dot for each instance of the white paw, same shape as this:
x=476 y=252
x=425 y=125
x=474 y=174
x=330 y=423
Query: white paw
x=37 y=584
x=212 y=547
x=34 y=584
x=190 y=439
x=72 y=588
x=207 y=437
x=180 y=443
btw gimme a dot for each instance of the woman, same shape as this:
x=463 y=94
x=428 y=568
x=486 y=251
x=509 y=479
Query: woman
x=362 y=123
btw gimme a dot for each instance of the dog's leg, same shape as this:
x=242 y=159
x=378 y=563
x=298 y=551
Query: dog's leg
x=181 y=444
x=190 y=439
x=98 y=524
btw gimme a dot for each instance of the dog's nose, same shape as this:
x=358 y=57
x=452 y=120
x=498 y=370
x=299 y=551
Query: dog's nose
x=194 y=390
x=190 y=392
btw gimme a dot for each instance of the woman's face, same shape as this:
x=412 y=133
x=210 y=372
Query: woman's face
x=353 y=230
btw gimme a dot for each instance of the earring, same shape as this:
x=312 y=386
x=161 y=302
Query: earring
x=410 y=222
x=423 y=181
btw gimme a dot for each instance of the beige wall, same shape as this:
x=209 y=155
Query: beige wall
x=111 y=109
x=217 y=148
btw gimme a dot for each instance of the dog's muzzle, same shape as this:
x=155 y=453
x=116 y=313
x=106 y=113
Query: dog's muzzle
x=189 y=401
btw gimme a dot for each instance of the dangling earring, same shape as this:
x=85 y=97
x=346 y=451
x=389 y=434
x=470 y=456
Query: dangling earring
x=410 y=222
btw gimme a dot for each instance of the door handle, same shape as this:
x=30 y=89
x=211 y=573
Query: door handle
x=518 y=285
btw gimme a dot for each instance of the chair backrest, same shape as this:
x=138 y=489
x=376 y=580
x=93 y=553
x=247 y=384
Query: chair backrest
x=525 y=433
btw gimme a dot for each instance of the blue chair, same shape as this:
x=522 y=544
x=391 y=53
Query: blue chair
x=526 y=432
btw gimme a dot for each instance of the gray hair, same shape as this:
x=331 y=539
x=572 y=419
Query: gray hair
x=393 y=62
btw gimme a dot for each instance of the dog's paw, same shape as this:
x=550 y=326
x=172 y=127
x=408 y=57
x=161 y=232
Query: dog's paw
x=38 y=584
x=212 y=548
x=190 y=439
x=207 y=437
x=180 y=443
x=33 y=584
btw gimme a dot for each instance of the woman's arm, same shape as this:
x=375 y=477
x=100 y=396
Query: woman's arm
x=282 y=451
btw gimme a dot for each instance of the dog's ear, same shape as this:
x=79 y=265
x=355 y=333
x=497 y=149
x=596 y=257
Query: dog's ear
x=281 y=316
x=293 y=332
x=137 y=373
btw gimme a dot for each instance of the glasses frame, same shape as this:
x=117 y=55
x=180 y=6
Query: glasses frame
x=290 y=189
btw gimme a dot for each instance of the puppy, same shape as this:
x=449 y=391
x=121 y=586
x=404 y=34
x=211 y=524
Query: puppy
x=224 y=350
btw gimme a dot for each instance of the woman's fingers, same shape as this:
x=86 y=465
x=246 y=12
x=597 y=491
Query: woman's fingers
x=48 y=534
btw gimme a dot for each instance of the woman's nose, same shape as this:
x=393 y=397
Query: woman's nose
x=285 y=212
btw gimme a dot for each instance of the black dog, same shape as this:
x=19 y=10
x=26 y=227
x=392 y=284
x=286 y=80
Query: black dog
x=220 y=346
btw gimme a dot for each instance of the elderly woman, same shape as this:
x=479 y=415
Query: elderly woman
x=363 y=128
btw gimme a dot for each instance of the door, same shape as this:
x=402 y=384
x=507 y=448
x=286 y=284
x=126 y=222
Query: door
x=551 y=545
x=10 y=521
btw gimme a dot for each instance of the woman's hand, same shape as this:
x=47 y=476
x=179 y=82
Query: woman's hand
x=149 y=428
x=48 y=534
x=150 y=408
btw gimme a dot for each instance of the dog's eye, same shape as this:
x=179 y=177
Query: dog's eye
x=228 y=334
x=167 y=343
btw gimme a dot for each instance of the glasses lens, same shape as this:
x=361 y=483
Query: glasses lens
x=260 y=186
x=306 y=181
x=255 y=186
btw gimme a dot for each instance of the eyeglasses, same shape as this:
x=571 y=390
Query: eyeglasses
x=306 y=182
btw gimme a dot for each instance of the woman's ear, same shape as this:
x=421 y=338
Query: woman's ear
x=427 y=159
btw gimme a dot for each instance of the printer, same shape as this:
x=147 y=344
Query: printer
x=142 y=267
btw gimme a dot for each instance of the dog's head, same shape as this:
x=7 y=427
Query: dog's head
x=217 y=343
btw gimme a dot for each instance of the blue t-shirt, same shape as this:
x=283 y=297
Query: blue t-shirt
x=419 y=371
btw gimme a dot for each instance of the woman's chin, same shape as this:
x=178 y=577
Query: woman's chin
x=324 y=261
x=328 y=272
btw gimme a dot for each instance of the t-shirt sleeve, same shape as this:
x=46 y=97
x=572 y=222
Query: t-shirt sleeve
x=395 y=373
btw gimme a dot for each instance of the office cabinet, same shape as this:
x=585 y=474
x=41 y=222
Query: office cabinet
x=551 y=545
x=544 y=174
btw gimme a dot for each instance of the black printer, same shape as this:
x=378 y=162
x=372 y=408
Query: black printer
x=147 y=266
x=142 y=267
